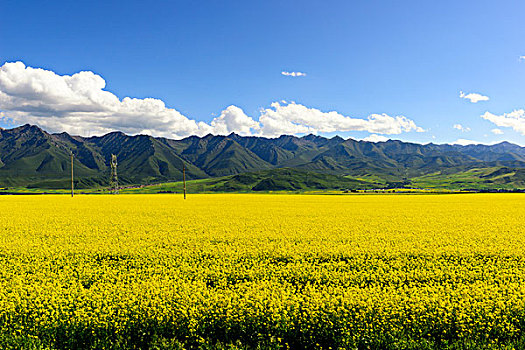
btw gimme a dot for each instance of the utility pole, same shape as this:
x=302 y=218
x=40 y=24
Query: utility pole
x=72 y=183
x=114 y=177
x=184 y=178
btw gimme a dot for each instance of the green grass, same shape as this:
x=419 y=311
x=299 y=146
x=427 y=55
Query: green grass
x=479 y=179
x=295 y=181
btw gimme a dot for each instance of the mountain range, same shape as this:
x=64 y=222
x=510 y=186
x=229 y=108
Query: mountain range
x=32 y=157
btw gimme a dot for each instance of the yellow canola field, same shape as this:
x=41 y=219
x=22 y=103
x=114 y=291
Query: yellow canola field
x=267 y=271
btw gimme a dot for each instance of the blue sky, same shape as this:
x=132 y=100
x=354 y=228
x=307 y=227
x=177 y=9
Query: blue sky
x=409 y=59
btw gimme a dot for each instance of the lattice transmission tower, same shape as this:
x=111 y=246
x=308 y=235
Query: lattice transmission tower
x=114 y=177
x=72 y=183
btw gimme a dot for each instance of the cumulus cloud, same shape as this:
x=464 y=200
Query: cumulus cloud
x=497 y=131
x=514 y=120
x=522 y=58
x=233 y=119
x=473 y=97
x=79 y=104
x=376 y=138
x=293 y=74
x=461 y=128
x=464 y=142
x=295 y=118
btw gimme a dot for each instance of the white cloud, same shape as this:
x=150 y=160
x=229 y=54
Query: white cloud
x=464 y=142
x=514 y=120
x=79 y=105
x=293 y=74
x=522 y=58
x=233 y=119
x=473 y=97
x=461 y=128
x=295 y=118
x=497 y=131
x=376 y=138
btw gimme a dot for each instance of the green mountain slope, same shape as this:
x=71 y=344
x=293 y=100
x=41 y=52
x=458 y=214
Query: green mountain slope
x=264 y=181
x=32 y=157
x=218 y=155
x=504 y=178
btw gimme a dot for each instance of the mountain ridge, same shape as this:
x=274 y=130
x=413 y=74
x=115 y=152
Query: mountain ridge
x=30 y=156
